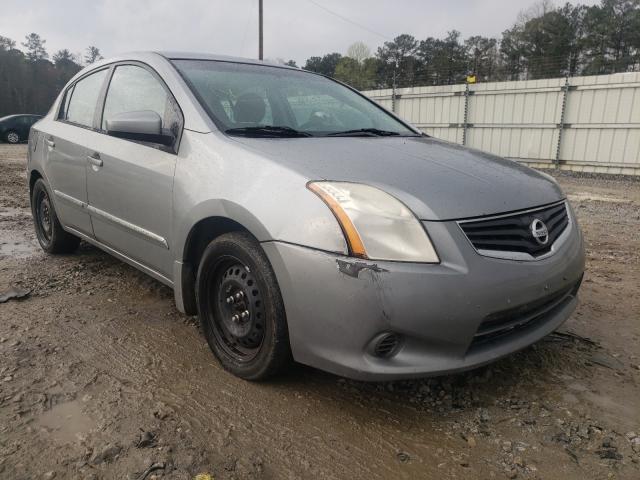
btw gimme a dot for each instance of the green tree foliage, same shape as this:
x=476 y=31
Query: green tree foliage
x=397 y=60
x=611 y=38
x=35 y=47
x=29 y=82
x=6 y=43
x=357 y=68
x=450 y=60
x=325 y=65
x=483 y=57
x=546 y=41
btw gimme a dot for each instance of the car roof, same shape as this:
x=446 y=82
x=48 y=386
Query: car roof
x=151 y=57
x=220 y=58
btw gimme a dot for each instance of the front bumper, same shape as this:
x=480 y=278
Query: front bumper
x=337 y=306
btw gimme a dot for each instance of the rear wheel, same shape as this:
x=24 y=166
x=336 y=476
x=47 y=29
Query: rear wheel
x=51 y=235
x=12 y=137
x=241 y=309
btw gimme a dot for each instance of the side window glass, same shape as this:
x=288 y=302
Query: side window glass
x=64 y=109
x=82 y=104
x=133 y=89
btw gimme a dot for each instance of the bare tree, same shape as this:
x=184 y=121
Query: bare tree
x=92 y=55
x=359 y=52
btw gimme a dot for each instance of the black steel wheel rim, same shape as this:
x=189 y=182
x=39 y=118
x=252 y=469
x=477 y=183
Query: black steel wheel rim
x=236 y=309
x=44 y=216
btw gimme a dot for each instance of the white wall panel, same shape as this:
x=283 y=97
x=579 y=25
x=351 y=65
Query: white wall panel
x=521 y=120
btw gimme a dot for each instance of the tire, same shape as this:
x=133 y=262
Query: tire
x=12 y=137
x=254 y=347
x=51 y=235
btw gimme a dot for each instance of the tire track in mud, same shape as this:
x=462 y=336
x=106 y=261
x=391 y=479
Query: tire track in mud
x=288 y=443
x=127 y=353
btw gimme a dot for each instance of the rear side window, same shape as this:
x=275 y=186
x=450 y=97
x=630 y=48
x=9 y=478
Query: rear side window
x=133 y=89
x=82 y=105
x=64 y=109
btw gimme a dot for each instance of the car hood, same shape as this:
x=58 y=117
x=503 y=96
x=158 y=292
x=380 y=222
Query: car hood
x=437 y=180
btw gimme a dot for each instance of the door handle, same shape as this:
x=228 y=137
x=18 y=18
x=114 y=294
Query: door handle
x=95 y=160
x=50 y=142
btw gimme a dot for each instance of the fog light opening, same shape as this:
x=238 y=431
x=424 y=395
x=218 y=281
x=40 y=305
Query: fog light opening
x=386 y=345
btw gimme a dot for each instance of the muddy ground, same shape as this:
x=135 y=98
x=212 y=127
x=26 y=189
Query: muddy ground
x=101 y=377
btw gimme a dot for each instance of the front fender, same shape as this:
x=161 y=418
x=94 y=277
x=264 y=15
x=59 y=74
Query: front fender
x=217 y=208
x=219 y=177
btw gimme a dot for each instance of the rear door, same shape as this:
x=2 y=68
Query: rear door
x=65 y=141
x=130 y=183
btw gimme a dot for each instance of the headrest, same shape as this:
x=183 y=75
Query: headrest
x=249 y=108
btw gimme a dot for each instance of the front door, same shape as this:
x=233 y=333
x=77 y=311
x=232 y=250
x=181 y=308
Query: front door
x=130 y=183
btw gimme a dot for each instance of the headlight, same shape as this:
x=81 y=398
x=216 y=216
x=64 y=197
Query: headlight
x=376 y=225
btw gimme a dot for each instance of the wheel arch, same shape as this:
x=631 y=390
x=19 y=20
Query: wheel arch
x=34 y=175
x=226 y=217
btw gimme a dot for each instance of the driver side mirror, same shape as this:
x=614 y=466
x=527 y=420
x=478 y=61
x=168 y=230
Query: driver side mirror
x=143 y=126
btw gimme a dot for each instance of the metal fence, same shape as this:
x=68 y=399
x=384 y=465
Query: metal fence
x=589 y=124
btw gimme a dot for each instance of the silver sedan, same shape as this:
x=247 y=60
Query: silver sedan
x=300 y=220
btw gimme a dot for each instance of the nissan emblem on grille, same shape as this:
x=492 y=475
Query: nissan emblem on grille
x=539 y=231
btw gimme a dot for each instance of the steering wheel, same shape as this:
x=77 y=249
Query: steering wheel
x=319 y=119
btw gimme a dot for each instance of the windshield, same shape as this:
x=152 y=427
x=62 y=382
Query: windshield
x=245 y=99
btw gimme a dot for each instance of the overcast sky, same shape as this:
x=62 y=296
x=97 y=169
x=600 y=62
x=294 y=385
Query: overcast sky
x=294 y=29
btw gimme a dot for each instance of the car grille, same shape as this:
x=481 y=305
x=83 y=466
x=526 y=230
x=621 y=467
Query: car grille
x=512 y=233
x=513 y=320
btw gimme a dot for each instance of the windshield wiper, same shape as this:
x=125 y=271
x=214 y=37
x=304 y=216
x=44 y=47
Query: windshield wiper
x=364 y=131
x=267 y=131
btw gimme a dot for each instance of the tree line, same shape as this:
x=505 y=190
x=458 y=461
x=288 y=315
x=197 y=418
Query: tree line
x=546 y=41
x=30 y=80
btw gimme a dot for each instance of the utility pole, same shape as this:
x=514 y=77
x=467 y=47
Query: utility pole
x=260 y=45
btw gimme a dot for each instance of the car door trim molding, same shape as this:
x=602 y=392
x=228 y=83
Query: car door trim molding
x=70 y=199
x=155 y=238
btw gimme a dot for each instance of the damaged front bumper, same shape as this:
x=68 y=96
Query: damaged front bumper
x=462 y=313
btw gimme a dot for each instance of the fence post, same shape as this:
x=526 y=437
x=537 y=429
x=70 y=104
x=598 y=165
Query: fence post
x=466 y=114
x=565 y=94
x=393 y=92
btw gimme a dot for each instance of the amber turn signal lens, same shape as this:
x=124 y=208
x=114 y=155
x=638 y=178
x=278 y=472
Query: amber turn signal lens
x=356 y=247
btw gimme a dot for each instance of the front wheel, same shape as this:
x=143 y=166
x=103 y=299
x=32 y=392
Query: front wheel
x=12 y=137
x=241 y=309
x=51 y=235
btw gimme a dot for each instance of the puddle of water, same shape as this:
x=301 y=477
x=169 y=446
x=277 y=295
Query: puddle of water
x=17 y=244
x=66 y=422
x=7 y=212
x=592 y=197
